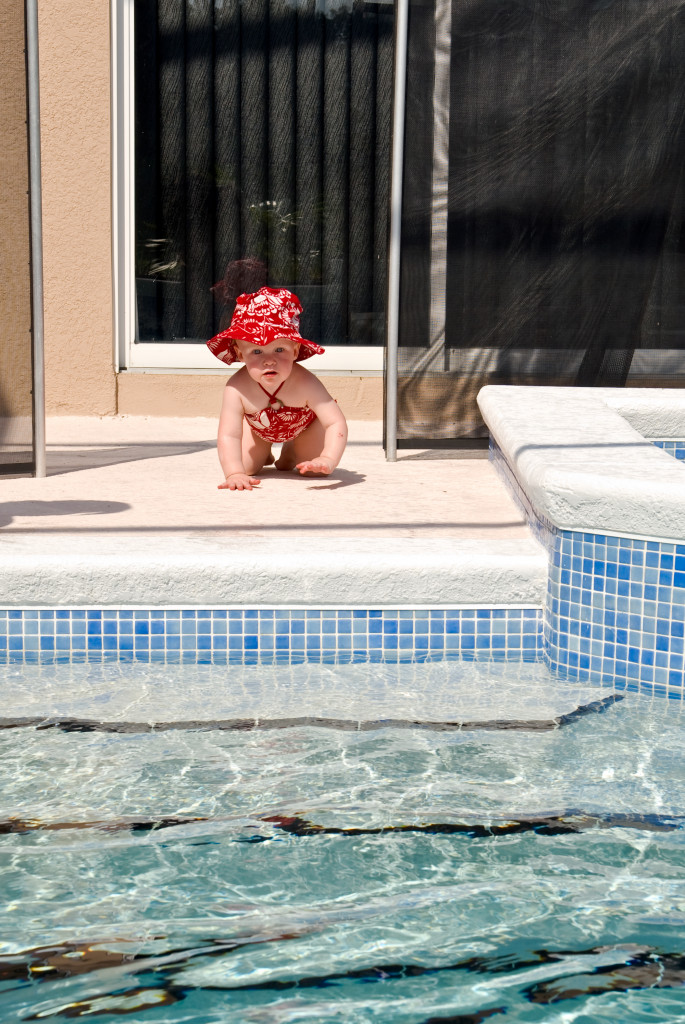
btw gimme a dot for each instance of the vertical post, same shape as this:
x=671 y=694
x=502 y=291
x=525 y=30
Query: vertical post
x=440 y=181
x=36 y=233
x=397 y=160
x=125 y=327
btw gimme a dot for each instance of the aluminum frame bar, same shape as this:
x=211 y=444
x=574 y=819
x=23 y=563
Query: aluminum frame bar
x=36 y=234
x=397 y=161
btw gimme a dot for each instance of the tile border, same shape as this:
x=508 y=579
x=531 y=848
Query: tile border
x=268 y=635
x=615 y=606
x=671 y=447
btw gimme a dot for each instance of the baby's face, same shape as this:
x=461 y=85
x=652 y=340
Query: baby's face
x=269 y=364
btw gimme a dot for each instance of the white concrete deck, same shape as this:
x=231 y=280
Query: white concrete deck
x=130 y=514
x=584 y=458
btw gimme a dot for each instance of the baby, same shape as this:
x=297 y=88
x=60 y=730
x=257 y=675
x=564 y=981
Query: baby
x=272 y=399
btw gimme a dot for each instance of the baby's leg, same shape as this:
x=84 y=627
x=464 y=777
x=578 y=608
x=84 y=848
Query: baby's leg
x=302 y=448
x=256 y=451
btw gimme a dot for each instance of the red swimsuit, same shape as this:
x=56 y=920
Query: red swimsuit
x=278 y=422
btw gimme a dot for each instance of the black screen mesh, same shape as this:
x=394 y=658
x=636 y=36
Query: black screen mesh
x=543 y=220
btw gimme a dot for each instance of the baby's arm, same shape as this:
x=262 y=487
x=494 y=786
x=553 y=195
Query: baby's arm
x=230 y=442
x=334 y=424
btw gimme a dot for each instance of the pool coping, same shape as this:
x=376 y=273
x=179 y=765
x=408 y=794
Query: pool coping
x=368 y=573
x=586 y=460
x=590 y=590
x=608 y=504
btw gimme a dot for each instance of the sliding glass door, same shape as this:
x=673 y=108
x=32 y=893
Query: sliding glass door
x=262 y=143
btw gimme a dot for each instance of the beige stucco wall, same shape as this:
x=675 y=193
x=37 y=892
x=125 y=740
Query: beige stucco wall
x=77 y=187
x=74 y=41
x=15 y=292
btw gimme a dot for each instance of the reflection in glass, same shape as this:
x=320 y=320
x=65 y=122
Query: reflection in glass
x=262 y=156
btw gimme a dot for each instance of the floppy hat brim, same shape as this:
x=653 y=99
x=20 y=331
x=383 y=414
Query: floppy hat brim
x=222 y=345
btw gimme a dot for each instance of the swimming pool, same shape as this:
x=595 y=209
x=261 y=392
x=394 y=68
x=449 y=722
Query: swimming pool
x=409 y=843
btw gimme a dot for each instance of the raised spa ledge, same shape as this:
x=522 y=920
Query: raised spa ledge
x=585 y=460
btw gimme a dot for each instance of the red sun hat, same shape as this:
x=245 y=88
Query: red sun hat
x=262 y=317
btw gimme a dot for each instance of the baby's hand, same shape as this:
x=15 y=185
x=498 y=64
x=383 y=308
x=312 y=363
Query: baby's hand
x=239 y=482
x=319 y=465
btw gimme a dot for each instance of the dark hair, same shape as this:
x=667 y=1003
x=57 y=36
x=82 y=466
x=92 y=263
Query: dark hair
x=241 y=276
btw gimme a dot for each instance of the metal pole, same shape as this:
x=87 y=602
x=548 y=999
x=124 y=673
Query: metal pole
x=398 y=114
x=36 y=222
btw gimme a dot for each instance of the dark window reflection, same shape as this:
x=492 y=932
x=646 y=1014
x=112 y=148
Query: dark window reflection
x=262 y=156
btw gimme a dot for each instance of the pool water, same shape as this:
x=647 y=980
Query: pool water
x=407 y=843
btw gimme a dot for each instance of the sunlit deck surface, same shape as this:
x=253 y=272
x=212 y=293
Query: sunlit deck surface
x=130 y=513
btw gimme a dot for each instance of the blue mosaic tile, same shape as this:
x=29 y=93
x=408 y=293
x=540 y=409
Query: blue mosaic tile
x=674 y=448
x=630 y=634
x=614 y=604
x=255 y=635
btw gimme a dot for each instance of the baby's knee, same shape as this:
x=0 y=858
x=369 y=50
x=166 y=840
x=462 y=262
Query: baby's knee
x=254 y=462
